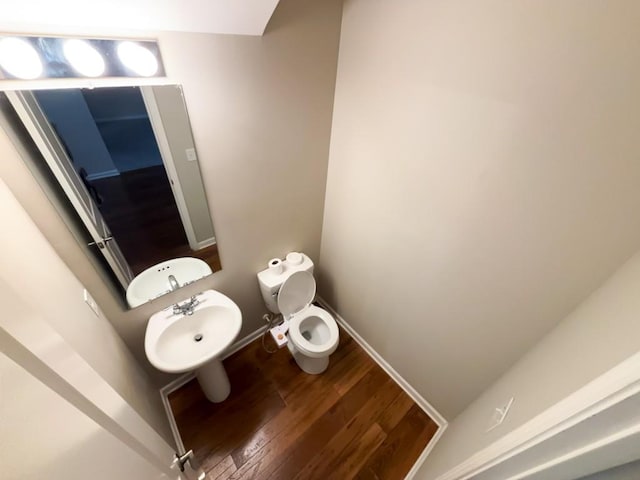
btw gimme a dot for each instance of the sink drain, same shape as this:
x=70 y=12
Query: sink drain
x=198 y=337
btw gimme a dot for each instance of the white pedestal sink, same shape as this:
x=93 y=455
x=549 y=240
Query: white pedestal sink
x=178 y=343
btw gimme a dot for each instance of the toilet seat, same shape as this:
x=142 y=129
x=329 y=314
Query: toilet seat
x=294 y=301
x=308 y=348
x=296 y=293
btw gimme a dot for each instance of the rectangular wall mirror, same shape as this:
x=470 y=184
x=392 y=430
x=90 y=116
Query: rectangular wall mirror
x=126 y=160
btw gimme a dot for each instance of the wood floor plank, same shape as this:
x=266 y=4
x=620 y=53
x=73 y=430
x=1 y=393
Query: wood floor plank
x=289 y=462
x=371 y=383
x=269 y=457
x=286 y=464
x=403 y=444
x=311 y=396
x=184 y=398
x=280 y=423
x=352 y=367
x=254 y=468
x=250 y=397
x=357 y=453
x=213 y=431
x=396 y=412
x=327 y=459
x=227 y=436
x=224 y=468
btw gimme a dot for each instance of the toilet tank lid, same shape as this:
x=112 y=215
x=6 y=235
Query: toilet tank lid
x=296 y=293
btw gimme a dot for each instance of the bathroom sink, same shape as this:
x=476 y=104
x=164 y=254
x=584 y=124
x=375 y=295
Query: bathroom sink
x=177 y=343
x=154 y=281
x=182 y=342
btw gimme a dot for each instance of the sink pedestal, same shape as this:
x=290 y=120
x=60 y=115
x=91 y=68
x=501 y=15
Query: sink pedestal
x=214 y=381
x=195 y=340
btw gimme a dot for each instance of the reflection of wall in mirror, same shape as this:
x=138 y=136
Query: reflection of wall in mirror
x=71 y=118
x=175 y=120
x=122 y=120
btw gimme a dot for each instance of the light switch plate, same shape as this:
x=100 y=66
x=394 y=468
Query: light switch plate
x=91 y=302
x=191 y=154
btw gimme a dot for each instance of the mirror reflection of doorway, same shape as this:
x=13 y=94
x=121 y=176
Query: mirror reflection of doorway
x=110 y=142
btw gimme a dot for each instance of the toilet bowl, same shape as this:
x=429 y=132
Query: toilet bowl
x=313 y=333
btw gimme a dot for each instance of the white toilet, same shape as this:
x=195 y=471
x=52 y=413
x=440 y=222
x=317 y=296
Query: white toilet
x=312 y=332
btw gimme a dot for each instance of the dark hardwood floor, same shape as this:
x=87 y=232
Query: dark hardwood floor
x=141 y=213
x=352 y=421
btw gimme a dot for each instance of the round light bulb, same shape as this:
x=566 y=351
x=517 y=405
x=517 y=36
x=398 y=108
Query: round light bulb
x=85 y=59
x=19 y=58
x=138 y=58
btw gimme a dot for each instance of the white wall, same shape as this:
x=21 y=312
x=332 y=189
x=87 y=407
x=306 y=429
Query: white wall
x=260 y=110
x=43 y=436
x=603 y=331
x=483 y=178
x=38 y=283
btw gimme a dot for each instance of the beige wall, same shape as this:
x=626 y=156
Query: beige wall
x=599 y=334
x=260 y=110
x=483 y=178
x=38 y=283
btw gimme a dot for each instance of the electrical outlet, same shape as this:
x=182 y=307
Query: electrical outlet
x=91 y=302
x=499 y=414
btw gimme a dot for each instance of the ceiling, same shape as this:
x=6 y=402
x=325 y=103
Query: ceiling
x=242 y=17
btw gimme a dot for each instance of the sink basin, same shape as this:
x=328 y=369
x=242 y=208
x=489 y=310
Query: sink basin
x=177 y=343
x=154 y=281
x=170 y=341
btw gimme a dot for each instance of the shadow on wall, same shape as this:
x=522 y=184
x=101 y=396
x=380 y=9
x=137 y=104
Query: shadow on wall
x=629 y=471
x=106 y=131
x=122 y=120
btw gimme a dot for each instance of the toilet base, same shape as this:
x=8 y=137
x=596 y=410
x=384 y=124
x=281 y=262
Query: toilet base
x=310 y=365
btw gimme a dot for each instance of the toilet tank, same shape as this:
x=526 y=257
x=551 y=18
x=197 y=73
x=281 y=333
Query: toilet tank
x=271 y=281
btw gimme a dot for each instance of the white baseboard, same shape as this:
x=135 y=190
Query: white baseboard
x=164 y=396
x=205 y=243
x=109 y=173
x=187 y=377
x=412 y=392
x=427 y=450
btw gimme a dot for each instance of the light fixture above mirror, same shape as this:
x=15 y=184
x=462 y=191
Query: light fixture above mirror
x=34 y=58
x=19 y=59
x=83 y=57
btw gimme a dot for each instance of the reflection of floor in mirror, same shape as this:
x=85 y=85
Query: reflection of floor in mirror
x=142 y=216
x=208 y=254
x=279 y=423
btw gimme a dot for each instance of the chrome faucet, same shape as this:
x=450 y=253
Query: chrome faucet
x=187 y=307
x=173 y=283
